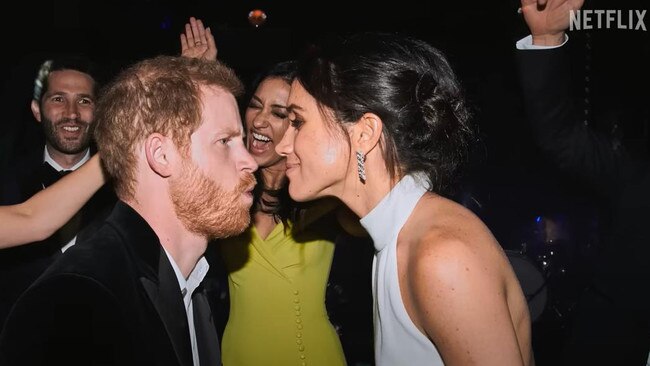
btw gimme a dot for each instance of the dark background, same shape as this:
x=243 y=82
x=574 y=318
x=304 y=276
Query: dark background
x=516 y=191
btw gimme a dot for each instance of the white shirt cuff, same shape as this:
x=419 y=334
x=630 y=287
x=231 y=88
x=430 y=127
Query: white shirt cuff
x=526 y=43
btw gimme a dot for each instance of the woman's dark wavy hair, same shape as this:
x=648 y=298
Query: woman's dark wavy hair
x=410 y=85
x=281 y=206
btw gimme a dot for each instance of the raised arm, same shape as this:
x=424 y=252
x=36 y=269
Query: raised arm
x=198 y=41
x=558 y=128
x=48 y=210
x=548 y=19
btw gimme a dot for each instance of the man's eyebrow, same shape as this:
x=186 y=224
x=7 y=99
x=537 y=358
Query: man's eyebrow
x=85 y=95
x=228 y=131
x=61 y=92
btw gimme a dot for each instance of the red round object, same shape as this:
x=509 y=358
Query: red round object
x=257 y=17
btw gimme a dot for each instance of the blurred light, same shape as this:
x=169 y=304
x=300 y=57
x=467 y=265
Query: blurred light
x=538 y=219
x=257 y=17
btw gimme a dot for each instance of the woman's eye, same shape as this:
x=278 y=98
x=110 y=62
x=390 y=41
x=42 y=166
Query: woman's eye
x=280 y=115
x=296 y=123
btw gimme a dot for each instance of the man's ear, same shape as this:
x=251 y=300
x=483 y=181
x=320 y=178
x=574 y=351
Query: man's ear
x=36 y=110
x=366 y=133
x=160 y=152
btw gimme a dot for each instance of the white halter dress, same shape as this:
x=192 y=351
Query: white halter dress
x=397 y=340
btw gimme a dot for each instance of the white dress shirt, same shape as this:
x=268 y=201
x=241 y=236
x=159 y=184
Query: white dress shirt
x=187 y=288
x=48 y=159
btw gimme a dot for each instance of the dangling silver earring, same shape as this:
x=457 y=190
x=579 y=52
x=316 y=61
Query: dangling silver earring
x=361 y=168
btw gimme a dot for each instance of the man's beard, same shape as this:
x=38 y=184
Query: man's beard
x=53 y=137
x=205 y=208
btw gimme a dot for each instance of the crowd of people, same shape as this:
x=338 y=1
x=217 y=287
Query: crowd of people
x=363 y=137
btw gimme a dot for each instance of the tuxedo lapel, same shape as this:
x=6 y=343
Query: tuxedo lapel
x=206 y=333
x=49 y=175
x=166 y=298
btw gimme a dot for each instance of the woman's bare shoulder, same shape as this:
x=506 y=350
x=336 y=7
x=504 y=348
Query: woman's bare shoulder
x=443 y=233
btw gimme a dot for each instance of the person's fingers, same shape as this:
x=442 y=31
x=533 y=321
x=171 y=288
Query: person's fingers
x=184 y=44
x=189 y=35
x=201 y=29
x=525 y=3
x=577 y=4
x=210 y=38
x=195 y=30
x=212 y=45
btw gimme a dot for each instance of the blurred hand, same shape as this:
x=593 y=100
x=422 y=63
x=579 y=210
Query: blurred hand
x=548 y=19
x=197 y=41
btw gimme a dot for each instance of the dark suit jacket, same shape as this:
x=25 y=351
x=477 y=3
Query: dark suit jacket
x=20 y=266
x=621 y=273
x=113 y=299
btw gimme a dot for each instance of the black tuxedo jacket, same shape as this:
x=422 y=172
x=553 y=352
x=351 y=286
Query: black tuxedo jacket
x=113 y=299
x=20 y=266
x=620 y=282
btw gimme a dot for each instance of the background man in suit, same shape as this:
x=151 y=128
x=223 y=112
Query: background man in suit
x=170 y=134
x=611 y=323
x=64 y=104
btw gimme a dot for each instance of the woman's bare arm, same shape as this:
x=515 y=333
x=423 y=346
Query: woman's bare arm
x=460 y=301
x=45 y=212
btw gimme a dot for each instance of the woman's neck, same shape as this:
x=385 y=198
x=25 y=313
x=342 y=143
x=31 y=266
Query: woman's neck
x=360 y=197
x=274 y=176
x=273 y=179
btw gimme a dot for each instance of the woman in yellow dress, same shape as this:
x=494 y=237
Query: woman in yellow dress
x=278 y=269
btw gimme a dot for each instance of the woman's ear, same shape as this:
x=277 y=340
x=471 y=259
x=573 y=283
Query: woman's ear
x=158 y=150
x=366 y=133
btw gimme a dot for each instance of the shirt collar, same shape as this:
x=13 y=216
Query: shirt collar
x=193 y=281
x=48 y=159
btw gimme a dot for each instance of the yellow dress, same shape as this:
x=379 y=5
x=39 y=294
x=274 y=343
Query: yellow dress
x=277 y=300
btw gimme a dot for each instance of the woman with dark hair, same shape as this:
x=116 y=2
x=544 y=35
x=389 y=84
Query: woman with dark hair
x=379 y=121
x=279 y=267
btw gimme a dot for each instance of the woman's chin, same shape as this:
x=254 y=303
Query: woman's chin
x=300 y=195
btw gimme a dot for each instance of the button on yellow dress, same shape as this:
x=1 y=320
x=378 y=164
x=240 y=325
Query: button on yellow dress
x=277 y=300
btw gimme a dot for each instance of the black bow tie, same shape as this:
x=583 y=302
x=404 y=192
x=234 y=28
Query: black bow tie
x=49 y=175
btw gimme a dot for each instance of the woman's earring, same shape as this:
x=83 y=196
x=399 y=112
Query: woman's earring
x=361 y=168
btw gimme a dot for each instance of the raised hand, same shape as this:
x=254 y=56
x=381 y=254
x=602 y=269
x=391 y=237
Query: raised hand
x=198 y=41
x=548 y=19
